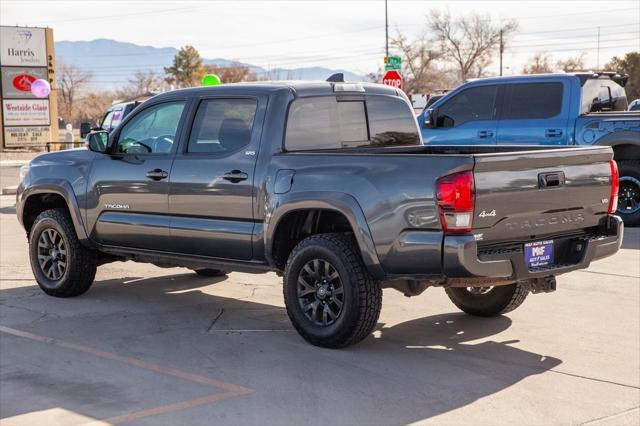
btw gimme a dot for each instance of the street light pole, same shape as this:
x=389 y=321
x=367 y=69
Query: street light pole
x=501 y=48
x=598 y=60
x=386 y=28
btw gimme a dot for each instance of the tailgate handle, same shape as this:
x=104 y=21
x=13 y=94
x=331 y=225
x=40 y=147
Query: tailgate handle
x=551 y=180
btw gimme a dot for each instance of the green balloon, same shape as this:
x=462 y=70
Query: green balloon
x=210 y=80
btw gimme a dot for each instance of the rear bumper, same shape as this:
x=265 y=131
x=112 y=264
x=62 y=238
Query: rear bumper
x=462 y=258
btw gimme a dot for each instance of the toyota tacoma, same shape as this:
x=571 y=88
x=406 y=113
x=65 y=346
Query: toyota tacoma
x=329 y=185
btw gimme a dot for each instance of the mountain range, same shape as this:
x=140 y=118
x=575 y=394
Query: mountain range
x=113 y=62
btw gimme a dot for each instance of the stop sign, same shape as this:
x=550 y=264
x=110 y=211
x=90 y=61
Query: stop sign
x=392 y=78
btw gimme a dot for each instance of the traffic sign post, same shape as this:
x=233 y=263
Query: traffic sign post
x=392 y=63
x=393 y=78
x=393 y=60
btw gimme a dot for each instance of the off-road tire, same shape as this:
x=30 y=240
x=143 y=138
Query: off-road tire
x=208 y=272
x=81 y=262
x=363 y=295
x=500 y=300
x=629 y=168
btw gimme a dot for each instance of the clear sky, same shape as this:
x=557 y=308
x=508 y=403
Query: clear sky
x=336 y=34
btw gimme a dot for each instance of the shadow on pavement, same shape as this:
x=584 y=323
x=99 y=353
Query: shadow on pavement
x=8 y=210
x=404 y=373
x=631 y=239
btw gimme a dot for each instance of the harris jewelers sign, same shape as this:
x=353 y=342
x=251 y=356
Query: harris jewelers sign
x=23 y=47
x=26 y=55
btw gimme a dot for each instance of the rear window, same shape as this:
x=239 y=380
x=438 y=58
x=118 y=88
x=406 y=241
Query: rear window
x=599 y=95
x=533 y=100
x=330 y=123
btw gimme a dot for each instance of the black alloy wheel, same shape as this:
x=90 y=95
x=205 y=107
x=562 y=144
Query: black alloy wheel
x=52 y=254
x=320 y=292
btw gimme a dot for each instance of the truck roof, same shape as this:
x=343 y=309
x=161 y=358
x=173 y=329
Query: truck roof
x=299 y=88
x=582 y=76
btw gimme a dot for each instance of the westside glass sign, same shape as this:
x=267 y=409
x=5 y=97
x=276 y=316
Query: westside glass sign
x=28 y=112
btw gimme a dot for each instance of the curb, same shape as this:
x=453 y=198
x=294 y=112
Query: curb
x=10 y=190
x=13 y=163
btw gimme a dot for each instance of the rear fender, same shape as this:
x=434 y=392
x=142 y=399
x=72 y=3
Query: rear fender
x=625 y=144
x=327 y=200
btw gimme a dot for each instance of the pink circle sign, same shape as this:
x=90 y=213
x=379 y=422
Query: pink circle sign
x=40 y=88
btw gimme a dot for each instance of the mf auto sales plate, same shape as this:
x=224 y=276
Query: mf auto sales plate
x=16 y=81
x=539 y=253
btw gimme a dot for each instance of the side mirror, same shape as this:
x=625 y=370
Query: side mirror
x=97 y=141
x=85 y=129
x=430 y=119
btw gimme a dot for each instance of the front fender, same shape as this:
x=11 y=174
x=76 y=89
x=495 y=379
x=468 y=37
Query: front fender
x=54 y=186
x=327 y=200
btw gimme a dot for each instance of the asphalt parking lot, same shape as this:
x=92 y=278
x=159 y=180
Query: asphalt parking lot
x=163 y=346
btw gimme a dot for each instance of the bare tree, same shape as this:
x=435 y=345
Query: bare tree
x=540 y=63
x=419 y=69
x=93 y=106
x=144 y=82
x=141 y=83
x=469 y=42
x=71 y=83
x=572 y=64
x=234 y=73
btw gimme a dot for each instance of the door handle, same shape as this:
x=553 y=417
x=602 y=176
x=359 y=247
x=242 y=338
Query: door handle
x=157 y=174
x=235 y=176
x=552 y=133
x=485 y=133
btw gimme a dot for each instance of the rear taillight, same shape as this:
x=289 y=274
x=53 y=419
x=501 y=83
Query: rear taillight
x=615 y=186
x=456 y=196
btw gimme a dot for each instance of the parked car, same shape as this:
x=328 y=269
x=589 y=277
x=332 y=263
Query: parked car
x=634 y=106
x=327 y=184
x=434 y=97
x=114 y=115
x=549 y=110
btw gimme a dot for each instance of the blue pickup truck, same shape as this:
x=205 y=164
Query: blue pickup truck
x=546 y=109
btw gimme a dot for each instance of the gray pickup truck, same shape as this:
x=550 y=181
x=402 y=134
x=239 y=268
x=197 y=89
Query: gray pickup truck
x=327 y=184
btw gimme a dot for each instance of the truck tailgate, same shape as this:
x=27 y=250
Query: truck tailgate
x=529 y=194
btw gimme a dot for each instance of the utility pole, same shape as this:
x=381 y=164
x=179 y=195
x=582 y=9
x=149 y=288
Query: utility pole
x=386 y=28
x=598 y=56
x=501 y=49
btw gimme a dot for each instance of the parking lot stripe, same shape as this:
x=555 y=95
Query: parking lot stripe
x=231 y=389
x=163 y=409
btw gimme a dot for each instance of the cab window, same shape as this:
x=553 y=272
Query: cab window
x=473 y=104
x=533 y=101
x=222 y=125
x=151 y=131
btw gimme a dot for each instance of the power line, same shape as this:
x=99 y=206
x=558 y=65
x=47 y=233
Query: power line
x=124 y=15
x=564 y=43
x=283 y=41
